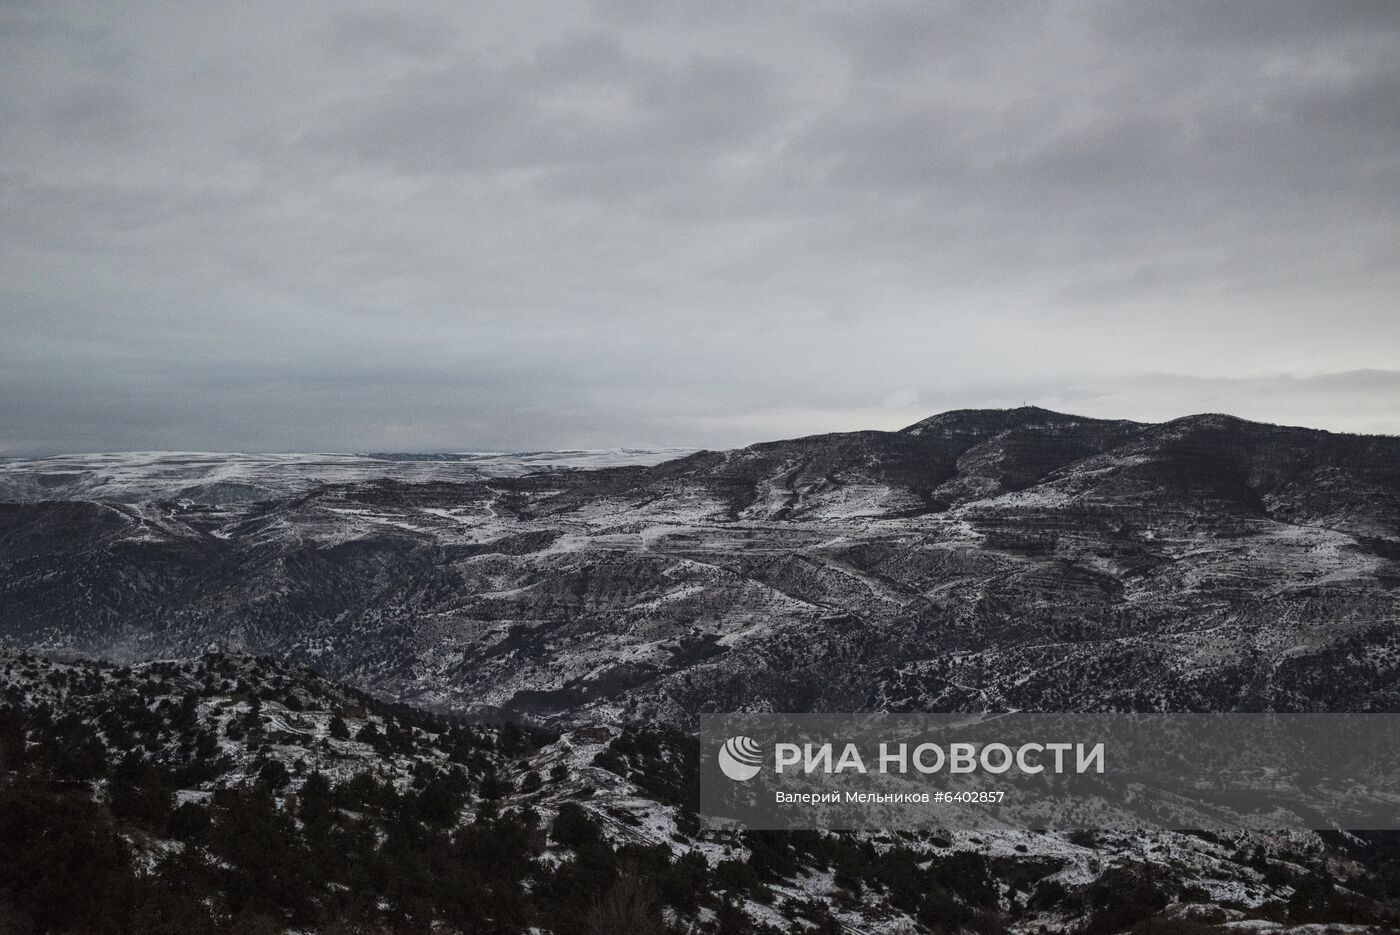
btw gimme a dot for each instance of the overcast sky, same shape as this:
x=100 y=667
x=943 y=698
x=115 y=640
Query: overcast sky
x=520 y=225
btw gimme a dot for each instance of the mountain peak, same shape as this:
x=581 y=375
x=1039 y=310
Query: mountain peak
x=982 y=421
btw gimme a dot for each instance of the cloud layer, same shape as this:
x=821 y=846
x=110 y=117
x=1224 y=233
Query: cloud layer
x=500 y=226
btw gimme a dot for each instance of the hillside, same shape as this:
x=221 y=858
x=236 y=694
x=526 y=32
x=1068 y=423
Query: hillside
x=1006 y=559
x=230 y=793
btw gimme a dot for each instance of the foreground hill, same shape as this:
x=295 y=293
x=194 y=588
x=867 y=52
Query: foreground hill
x=978 y=559
x=236 y=794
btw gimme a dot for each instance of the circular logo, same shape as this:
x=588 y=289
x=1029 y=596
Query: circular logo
x=740 y=758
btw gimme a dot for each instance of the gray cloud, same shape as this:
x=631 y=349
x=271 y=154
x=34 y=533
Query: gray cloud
x=351 y=35
x=257 y=226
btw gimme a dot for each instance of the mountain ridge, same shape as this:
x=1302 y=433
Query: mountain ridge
x=842 y=571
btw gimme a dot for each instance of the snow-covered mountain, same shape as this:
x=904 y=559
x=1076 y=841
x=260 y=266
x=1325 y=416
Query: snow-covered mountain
x=1016 y=559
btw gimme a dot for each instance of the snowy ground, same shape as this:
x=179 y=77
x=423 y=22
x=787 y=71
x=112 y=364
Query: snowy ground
x=230 y=477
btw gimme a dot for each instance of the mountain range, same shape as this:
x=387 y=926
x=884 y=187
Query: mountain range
x=344 y=645
x=1018 y=559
